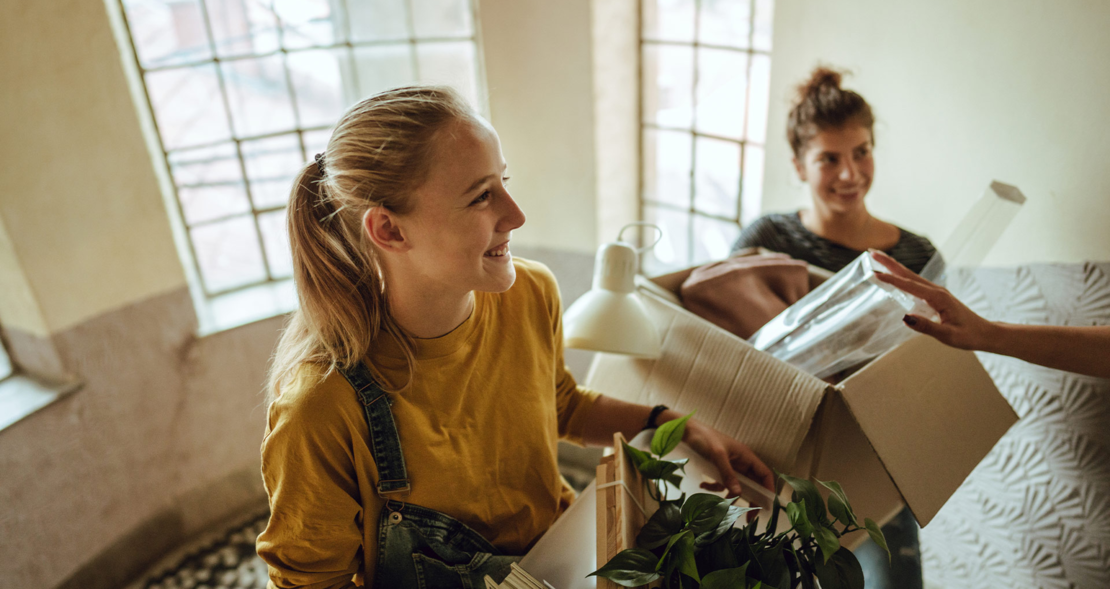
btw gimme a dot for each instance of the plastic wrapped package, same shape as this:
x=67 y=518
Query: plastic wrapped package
x=852 y=318
x=847 y=320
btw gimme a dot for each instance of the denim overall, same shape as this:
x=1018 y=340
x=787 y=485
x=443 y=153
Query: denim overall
x=417 y=547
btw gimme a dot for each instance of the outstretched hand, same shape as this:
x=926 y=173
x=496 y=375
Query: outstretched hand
x=959 y=326
x=729 y=456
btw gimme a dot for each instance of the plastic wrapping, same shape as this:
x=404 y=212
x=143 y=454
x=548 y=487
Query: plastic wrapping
x=852 y=317
x=978 y=232
x=847 y=320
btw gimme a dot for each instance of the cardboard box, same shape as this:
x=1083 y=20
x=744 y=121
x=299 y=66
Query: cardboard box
x=906 y=429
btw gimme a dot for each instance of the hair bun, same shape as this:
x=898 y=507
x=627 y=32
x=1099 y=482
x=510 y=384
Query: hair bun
x=823 y=104
x=821 y=78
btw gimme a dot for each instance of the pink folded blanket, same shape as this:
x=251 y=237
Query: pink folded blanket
x=744 y=292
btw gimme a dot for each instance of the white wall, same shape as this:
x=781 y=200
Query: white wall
x=966 y=92
x=537 y=56
x=78 y=195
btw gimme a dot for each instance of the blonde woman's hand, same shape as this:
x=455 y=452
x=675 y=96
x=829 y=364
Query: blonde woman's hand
x=959 y=326
x=729 y=456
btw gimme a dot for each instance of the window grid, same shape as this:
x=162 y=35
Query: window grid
x=691 y=208
x=339 y=11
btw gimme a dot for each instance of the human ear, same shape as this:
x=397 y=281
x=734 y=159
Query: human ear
x=800 y=167
x=381 y=225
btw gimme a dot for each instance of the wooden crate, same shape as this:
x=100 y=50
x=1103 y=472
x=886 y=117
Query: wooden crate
x=623 y=507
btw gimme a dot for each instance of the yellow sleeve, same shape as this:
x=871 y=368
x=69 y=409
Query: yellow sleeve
x=314 y=536
x=572 y=401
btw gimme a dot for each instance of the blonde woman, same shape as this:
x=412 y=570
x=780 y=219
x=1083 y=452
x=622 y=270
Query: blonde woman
x=419 y=391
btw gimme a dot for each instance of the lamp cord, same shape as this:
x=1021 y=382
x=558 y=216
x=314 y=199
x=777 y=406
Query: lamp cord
x=642 y=224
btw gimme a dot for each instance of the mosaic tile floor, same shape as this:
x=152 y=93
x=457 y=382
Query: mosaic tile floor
x=221 y=560
x=226 y=558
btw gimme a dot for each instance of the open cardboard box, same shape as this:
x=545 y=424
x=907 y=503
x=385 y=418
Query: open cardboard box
x=905 y=429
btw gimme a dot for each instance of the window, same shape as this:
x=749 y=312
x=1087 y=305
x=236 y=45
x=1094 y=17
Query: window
x=243 y=92
x=705 y=77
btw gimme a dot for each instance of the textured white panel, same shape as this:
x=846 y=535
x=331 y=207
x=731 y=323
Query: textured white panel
x=1036 y=512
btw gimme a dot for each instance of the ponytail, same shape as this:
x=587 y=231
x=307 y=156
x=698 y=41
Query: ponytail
x=378 y=153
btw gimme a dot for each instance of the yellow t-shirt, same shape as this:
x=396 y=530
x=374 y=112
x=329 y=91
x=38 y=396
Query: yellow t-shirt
x=478 y=426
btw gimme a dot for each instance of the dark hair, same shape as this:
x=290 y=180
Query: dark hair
x=822 y=104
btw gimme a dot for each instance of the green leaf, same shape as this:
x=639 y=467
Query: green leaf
x=661 y=469
x=799 y=518
x=774 y=523
x=840 y=511
x=723 y=526
x=668 y=435
x=638 y=457
x=630 y=568
x=703 y=511
x=718 y=555
x=675 y=539
x=674 y=479
x=726 y=578
x=664 y=523
x=839 y=499
x=841 y=572
x=804 y=489
x=876 y=535
x=826 y=541
x=683 y=553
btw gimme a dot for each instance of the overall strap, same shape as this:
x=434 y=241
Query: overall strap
x=385 y=444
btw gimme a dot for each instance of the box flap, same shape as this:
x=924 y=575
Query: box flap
x=931 y=413
x=751 y=396
x=842 y=453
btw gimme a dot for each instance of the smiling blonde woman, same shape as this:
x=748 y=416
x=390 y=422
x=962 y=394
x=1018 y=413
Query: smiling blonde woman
x=419 y=392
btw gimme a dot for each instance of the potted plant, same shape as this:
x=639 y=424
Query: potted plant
x=693 y=541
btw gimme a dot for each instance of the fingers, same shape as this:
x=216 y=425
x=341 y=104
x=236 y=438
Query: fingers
x=893 y=265
x=713 y=487
x=728 y=475
x=923 y=325
x=746 y=462
x=923 y=290
x=753 y=467
x=945 y=334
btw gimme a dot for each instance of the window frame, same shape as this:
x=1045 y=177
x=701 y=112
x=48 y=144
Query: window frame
x=642 y=202
x=224 y=308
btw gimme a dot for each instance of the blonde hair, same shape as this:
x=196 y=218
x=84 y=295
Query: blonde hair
x=378 y=154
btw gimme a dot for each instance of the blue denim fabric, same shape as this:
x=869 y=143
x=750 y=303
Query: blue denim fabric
x=385 y=444
x=418 y=547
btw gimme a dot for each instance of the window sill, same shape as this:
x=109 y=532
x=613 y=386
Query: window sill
x=22 y=395
x=235 y=309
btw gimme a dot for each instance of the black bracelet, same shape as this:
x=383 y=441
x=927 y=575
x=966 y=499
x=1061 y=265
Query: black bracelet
x=655 y=411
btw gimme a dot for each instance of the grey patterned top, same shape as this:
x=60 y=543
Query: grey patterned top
x=784 y=232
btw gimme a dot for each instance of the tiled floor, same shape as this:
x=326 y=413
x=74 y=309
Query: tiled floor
x=224 y=559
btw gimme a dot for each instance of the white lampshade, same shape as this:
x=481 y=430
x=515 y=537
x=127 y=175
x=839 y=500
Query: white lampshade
x=611 y=317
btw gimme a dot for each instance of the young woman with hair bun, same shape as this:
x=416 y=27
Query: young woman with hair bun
x=831 y=133
x=419 y=391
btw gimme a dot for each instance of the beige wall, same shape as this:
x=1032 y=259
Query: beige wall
x=537 y=56
x=966 y=92
x=78 y=195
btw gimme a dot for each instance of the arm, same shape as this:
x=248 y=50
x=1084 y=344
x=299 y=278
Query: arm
x=608 y=416
x=1085 y=350
x=313 y=539
x=587 y=417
